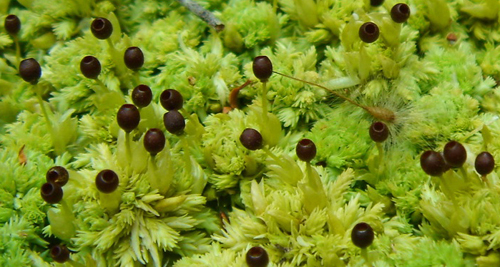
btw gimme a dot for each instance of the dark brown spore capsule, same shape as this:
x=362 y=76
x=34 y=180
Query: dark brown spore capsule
x=376 y=2
x=251 y=139
x=59 y=253
x=454 y=154
x=106 y=181
x=101 y=28
x=51 y=193
x=485 y=163
x=369 y=32
x=379 y=132
x=154 y=141
x=134 y=58
x=90 y=67
x=305 y=150
x=432 y=163
x=171 y=99
x=128 y=117
x=30 y=70
x=262 y=68
x=400 y=13
x=174 y=122
x=362 y=235
x=142 y=95
x=257 y=257
x=58 y=175
x=12 y=24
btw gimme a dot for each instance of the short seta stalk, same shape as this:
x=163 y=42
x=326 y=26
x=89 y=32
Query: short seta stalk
x=445 y=187
x=187 y=154
x=75 y=263
x=18 y=51
x=380 y=157
x=364 y=254
x=61 y=221
x=110 y=201
x=128 y=152
x=115 y=55
x=270 y=154
x=154 y=180
x=264 y=102
x=36 y=88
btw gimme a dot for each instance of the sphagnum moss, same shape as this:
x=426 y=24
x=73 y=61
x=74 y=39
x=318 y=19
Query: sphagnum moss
x=201 y=196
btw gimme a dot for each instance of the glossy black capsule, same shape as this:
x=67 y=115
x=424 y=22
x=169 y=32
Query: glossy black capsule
x=90 y=67
x=154 y=141
x=101 y=28
x=257 y=257
x=30 y=70
x=134 y=58
x=454 y=154
x=362 y=235
x=305 y=150
x=142 y=95
x=251 y=139
x=171 y=99
x=174 y=122
x=485 y=163
x=107 y=181
x=128 y=117
x=12 y=24
x=400 y=13
x=379 y=132
x=376 y=2
x=369 y=32
x=58 y=175
x=262 y=68
x=432 y=163
x=59 y=253
x=51 y=193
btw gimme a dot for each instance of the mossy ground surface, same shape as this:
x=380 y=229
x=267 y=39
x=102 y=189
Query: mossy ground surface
x=205 y=199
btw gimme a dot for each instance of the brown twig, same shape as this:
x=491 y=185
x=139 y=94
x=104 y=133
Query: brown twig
x=233 y=96
x=204 y=14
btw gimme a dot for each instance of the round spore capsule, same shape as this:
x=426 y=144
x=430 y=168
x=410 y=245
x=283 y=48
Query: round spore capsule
x=257 y=257
x=171 y=99
x=134 y=58
x=90 y=67
x=305 y=150
x=251 y=139
x=376 y=2
x=369 y=32
x=30 y=70
x=12 y=24
x=379 y=131
x=174 y=122
x=400 y=13
x=51 y=193
x=59 y=253
x=454 y=154
x=106 y=181
x=58 y=175
x=154 y=141
x=362 y=235
x=262 y=68
x=485 y=163
x=432 y=163
x=101 y=28
x=128 y=117
x=142 y=95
